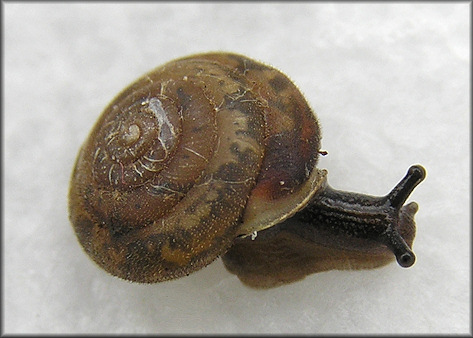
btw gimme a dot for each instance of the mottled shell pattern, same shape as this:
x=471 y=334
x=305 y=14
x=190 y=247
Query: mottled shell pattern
x=188 y=157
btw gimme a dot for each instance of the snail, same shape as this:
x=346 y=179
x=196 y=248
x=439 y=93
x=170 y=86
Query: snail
x=215 y=155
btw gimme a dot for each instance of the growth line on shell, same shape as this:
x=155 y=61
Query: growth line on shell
x=196 y=153
x=110 y=174
x=137 y=171
x=236 y=96
x=96 y=153
x=147 y=168
x=130 y=151
x=111 y=137
x=122 y=172
x=253 y=100
x=238 y=182
x=161 y=187
x=153 y=160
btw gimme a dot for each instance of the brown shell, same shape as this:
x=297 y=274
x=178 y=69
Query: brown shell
x=186 y=158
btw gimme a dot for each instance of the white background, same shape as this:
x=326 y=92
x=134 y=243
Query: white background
x=390 y=85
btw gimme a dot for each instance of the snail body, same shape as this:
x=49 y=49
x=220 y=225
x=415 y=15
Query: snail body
x=194 y=157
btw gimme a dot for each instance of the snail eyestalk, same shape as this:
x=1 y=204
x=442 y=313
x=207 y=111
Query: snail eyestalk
x=404 y=188
x=404 y=255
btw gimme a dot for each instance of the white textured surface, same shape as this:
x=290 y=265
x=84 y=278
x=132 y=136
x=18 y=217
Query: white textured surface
x=390 y=84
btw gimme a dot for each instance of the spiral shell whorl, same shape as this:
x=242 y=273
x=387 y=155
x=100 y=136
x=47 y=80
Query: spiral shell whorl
x=135 y=144
x=174 y=207
x=189 y=156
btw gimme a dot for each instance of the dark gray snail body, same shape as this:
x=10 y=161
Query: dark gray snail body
x=215 y=154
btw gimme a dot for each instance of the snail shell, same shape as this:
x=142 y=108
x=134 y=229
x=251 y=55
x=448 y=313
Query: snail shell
x=188 y=157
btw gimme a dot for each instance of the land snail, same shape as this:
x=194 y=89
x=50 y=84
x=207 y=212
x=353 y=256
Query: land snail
x=215 y=155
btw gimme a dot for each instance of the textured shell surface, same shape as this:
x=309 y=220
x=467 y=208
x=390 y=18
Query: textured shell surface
x=189 y=156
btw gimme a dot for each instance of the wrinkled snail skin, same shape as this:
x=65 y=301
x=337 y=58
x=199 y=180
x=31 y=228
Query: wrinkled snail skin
x=336 y=230
x=197 y=157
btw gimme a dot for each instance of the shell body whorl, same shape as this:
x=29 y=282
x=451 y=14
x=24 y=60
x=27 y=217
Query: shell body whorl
x=188 y=157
